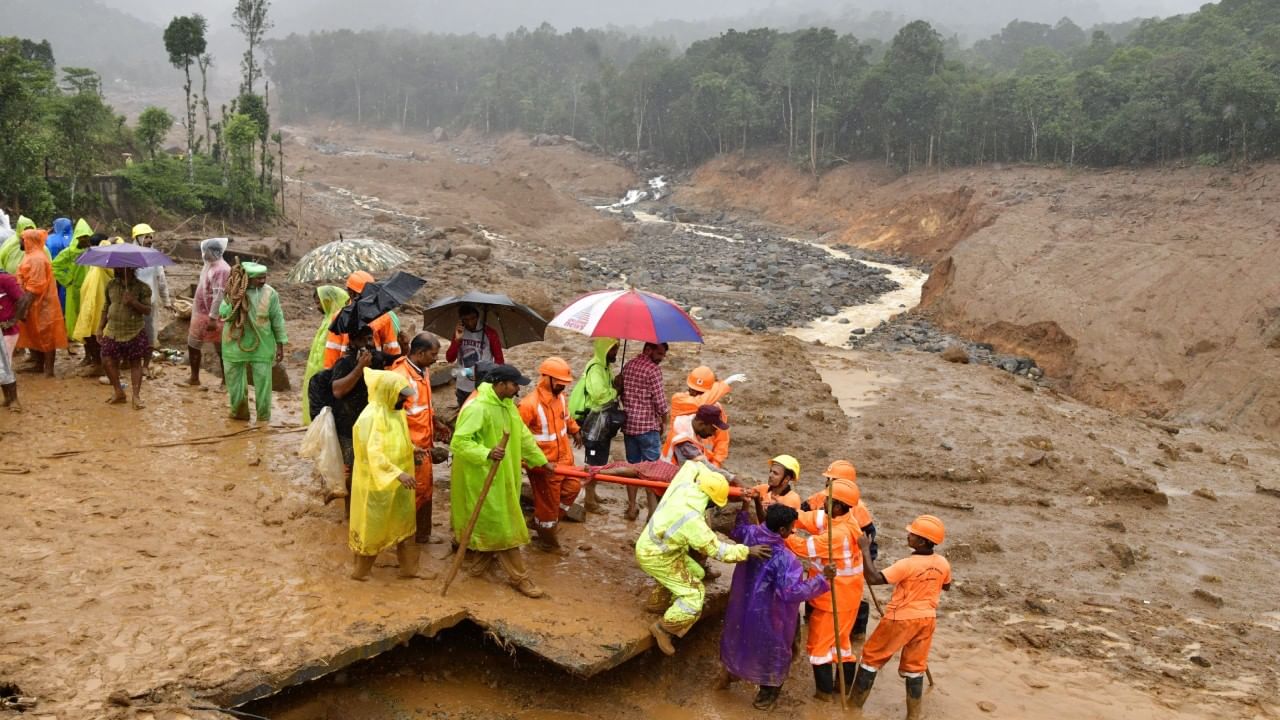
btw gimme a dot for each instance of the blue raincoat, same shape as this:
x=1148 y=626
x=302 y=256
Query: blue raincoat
x=59 y=240
x=764 y=608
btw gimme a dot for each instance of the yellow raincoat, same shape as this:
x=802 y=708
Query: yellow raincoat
x=332 y=300
x=677 y=526
x=382 y=510
x=93 y=299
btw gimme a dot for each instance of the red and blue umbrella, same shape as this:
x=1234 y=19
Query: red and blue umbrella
x=123 y=255
x=628 y=315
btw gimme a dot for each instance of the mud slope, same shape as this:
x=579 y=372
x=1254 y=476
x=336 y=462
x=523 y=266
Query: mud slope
x=1146 y=291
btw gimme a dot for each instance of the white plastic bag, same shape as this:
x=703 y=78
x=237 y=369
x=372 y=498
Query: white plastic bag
x=320 y=443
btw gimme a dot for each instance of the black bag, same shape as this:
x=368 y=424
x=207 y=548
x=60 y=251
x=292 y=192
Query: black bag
x=603 y=424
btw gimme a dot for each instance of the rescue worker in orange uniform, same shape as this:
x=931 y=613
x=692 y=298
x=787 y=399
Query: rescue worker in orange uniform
x=704 y=389
x=784 y=472
x=385 y=336
x=844 y=553
x=424 y=427
x=866 y=523
x=546 y=412
x=911 y=615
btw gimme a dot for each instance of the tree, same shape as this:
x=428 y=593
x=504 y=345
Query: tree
x=250 y=19
x=240 y=134
x=81 y=80
x=82 y=128
x=205 y=61
x=153 y=125
x=27 y=87
x=185 y=42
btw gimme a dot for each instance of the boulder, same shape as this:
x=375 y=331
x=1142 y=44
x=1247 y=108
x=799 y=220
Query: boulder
x=475 y=252
x=955 y=353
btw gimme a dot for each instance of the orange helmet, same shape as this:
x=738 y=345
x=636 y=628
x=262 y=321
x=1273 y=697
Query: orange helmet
x=842 y=470
x=556 y=369
x=357 y=280
x=701 y=378
x=846 y=492
x=928 y=527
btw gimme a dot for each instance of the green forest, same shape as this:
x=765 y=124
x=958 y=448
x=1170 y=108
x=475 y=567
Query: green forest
x=56 y=131
x=1202 y=88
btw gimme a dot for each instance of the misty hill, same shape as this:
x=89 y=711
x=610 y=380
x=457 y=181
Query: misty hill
x=86 y=33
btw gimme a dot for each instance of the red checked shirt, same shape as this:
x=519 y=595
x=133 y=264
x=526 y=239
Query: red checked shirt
x=642 y=396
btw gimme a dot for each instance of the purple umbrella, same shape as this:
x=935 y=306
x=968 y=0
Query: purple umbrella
x=123 y=255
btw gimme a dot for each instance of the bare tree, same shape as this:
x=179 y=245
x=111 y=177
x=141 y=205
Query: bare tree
x=250 y=18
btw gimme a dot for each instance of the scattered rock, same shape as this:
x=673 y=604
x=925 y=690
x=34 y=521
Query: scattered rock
x=960 y=552
x=985 y=544
x=1264 y=490
x=1200 y=660
x=475 y=252
x=1123 y=553
x=1036 y=605
x=1239 y=460
x=986 y=706
x=1205 y=493
x=119 y=698
x=1116 y=525
x=956 y=353
x=1208 y=597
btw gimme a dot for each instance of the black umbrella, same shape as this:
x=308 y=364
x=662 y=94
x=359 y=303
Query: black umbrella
x=377 y=299
x=515 y=324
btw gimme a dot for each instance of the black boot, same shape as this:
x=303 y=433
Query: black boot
x=850 y=670
x=915 y=697
x=824 y=682
x=862 y=686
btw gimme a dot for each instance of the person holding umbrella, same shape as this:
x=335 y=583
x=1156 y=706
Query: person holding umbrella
x=472 y=345
x=123 y=333
x=253 y=337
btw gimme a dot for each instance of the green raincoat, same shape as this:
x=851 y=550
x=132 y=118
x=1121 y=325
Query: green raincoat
x=254 y=351
x=382 y=508
x=332 y=299
x=11 y=249
x=70 y=275
x=478 y=430
x=595 y=389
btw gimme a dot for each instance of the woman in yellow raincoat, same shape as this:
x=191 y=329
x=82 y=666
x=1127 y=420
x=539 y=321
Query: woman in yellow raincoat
x=93 y=300
x=331 y=299
x=382 y=509
x=71 y=274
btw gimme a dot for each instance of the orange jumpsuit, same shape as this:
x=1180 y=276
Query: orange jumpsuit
x=683 y=403
x=911 y=615
x=547 y=416
x=791 y=498
x=44 y=329
x=384 y=339
x=846 y=591
x=421 y=417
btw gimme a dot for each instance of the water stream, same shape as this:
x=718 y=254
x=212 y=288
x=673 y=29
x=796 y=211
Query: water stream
x=832 y=330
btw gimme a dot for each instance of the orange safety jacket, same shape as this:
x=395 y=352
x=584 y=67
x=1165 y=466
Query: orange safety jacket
x=384 y=339
x=682 y=403
x=843 y=549
x=418 y=412
x=860 y=512
x=547 y=416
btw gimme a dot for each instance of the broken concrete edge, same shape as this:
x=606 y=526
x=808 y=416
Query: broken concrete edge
x=253 y=685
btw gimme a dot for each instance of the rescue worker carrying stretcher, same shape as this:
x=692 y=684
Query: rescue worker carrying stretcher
x=677 y=527
x=546 y=412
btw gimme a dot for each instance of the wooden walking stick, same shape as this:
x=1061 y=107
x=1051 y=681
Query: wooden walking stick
x=835 y=617
x=465 y=540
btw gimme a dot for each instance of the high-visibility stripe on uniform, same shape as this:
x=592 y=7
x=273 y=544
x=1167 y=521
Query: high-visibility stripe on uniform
x=659 y=539
x=680 y=603
x=335 y=346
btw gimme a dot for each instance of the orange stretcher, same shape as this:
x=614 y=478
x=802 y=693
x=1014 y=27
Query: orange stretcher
x=576 y=472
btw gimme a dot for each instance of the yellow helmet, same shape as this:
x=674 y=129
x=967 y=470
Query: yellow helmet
x=789 y=463
x=714 y=485
x=142 y=229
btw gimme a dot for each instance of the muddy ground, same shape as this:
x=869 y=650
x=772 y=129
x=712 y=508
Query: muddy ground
x=1107 y=566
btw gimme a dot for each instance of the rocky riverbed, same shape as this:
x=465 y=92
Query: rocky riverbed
x=916 y=333
x=738 y=277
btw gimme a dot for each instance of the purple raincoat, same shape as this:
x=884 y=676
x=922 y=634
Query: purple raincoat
x=764 y=608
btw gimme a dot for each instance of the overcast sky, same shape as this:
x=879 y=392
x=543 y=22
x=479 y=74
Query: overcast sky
x=499 y=16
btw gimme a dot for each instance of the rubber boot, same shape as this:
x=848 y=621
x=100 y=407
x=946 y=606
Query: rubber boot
x=363 y=566
x=915 y=698
x=862 y=686
x=824 y=682
x=548 y=541
x=662 y=638
x=850 y=669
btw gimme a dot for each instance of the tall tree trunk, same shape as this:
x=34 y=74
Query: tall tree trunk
x=191 y=128
x=204 y=62
x=813 y=132
x=359 y=100
x=791 y=123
